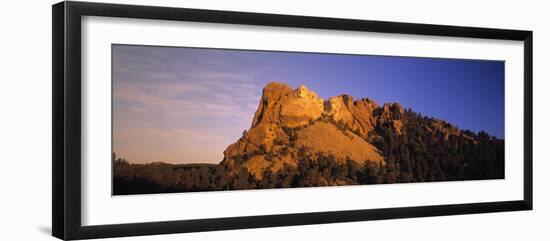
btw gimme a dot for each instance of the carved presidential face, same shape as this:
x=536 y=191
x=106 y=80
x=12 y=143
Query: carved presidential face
x=302 y=91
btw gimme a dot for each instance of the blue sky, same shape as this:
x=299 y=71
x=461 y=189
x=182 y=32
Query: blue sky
x=184 y=105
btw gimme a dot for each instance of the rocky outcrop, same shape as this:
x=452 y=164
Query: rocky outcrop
x=301 y=107
x=355 y=115
x=391 y=115
x=325 y=138
x=261 y=136
x=297 y=139
x=281 y=104
x=293 y=122
x=269 y=109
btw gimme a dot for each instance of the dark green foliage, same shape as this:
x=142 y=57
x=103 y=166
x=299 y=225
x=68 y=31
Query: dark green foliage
x=419 y=154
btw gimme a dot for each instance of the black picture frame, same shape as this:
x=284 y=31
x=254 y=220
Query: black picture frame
x=66 y=75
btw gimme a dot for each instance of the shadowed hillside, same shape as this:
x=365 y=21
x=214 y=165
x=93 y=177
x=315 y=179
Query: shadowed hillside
x=297 y=139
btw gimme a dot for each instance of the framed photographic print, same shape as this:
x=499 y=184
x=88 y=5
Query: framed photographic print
x=170 y=120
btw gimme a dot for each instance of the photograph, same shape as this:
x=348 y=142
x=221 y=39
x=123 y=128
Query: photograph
x=275 y=120
x=187 y=119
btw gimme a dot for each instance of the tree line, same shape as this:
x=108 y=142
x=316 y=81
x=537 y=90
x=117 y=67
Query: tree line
x=415 y=155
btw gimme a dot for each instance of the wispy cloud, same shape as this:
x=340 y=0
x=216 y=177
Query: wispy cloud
x=189 y=100
x=188 y=103
x=211 y=91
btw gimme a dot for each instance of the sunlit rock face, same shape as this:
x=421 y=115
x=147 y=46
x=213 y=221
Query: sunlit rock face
x=390 y=114
x=355 y=115
x=301 y=107
x=269 y=109
x=315 y=126
x=339 y=108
